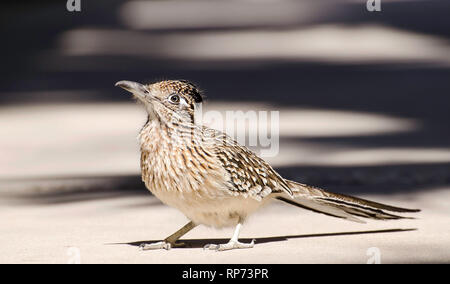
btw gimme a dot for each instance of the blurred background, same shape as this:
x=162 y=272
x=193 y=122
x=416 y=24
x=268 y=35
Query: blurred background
x=363 y=96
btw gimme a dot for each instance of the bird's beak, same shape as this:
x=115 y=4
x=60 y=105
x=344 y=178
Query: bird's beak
x=136 y=89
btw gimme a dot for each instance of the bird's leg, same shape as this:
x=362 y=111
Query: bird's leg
x=170 y=241
x=233 y=243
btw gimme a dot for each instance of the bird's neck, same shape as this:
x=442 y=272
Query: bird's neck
x=157 y=133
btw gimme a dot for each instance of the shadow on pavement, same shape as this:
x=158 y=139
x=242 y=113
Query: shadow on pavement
x=347 y=179
x=355 y=180
x=200 y=243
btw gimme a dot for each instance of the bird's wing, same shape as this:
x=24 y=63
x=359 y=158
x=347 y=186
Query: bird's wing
x=248 y=173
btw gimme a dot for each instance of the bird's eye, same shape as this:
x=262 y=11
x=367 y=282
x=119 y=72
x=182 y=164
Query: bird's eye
x=174 y=98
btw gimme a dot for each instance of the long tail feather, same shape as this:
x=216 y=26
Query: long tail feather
x=340 y=205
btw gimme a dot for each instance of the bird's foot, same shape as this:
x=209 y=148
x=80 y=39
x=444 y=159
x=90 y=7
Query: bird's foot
x=229 y=246
x=157 y=245
x=160 y=245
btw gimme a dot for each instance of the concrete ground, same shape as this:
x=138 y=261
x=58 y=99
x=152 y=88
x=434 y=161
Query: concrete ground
x=107 y=227
x=85 y=199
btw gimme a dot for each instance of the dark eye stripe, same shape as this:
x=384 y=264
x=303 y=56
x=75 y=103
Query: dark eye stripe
x=197 y=97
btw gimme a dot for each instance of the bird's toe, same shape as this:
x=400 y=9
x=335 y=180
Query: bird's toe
x=153 y=246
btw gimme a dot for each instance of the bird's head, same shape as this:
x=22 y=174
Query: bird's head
x=167 y=101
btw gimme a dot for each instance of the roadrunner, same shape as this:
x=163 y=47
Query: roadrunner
x=212 y=179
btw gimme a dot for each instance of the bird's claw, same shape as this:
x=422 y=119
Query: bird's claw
x=153 y=246
x=229 y=246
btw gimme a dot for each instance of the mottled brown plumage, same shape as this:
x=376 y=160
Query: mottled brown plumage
x=212 y=179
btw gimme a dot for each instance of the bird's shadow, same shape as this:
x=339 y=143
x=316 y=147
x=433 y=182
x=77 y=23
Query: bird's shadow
x=200 y=243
